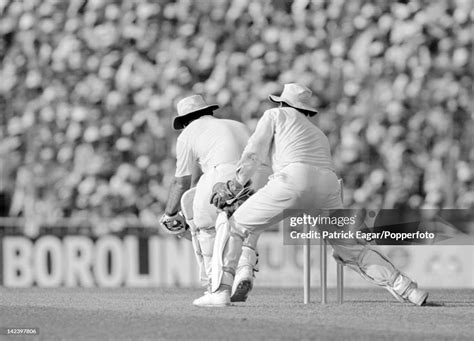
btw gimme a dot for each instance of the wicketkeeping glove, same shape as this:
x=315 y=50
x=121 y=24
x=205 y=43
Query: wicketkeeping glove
x=230 y=195
x=175 y=224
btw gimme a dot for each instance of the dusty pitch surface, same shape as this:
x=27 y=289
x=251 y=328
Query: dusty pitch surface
x=269 y=314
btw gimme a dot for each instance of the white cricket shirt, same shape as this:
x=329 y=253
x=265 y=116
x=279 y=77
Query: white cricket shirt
x=289 y=137
x=211 y=142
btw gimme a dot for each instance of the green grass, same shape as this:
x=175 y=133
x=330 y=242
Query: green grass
x=367 y=314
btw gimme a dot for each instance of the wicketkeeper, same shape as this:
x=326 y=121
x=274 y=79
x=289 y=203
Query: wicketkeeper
x=304 y=179
x=214 y=147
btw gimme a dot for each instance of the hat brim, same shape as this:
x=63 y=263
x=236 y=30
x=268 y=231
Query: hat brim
x=302 y=106
x=178 y=121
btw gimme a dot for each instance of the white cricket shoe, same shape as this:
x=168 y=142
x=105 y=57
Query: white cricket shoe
x=418 y=296
x=220 y=298
x=405 y=290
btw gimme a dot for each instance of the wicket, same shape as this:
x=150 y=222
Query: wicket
x=323 y=268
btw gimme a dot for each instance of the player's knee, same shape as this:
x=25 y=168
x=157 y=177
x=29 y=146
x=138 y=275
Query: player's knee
x=204 y=221
x=238 y=229
x=337 y=258
x=349 y=255
x=207 y=229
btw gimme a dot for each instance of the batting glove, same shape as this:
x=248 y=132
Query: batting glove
x=174 y=224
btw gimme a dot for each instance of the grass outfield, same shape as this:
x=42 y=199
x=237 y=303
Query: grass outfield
x=367 y=314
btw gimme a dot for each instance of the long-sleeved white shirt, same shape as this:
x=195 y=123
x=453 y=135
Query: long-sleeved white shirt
x=288 y=137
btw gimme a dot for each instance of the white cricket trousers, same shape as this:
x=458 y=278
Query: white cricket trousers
x=304 y=187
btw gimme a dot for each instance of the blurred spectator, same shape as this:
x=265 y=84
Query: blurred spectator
x=88 y=88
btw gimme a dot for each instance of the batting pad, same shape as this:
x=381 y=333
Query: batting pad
x=222 y=237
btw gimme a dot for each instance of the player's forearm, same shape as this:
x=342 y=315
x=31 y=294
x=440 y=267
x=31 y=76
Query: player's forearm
x=177 y=189
x=197 y=173
x=247 y=167
x=257 y=149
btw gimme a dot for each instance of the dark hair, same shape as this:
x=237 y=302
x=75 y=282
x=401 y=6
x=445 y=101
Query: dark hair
x=304 y=112
x=195 y=115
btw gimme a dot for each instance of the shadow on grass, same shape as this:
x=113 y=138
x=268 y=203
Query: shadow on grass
x=446 y=304
x=368 y=301
x=450 y=304
x=434 y=304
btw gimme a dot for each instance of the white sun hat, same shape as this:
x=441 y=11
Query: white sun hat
x=190 y=105
x=295 y=95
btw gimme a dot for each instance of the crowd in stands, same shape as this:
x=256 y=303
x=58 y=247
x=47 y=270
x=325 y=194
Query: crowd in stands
x=88 y=89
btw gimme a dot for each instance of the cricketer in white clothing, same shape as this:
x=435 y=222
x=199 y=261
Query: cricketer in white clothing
x=303 y=179
x=215 y=146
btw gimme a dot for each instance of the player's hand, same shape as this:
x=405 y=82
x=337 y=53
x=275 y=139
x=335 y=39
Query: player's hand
x=225 y=194
x=173 y=224
x=235 y=187
x=220 y=195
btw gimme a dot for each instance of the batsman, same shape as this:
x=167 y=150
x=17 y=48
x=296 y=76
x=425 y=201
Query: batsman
x=304 y=179
x=211 y=148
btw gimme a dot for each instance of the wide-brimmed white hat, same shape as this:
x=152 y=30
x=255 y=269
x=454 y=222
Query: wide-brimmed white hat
x=190 y=105
x=295 y=95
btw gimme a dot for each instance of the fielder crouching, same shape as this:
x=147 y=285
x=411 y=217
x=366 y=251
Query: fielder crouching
x=212 y=146
x=303 y=179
